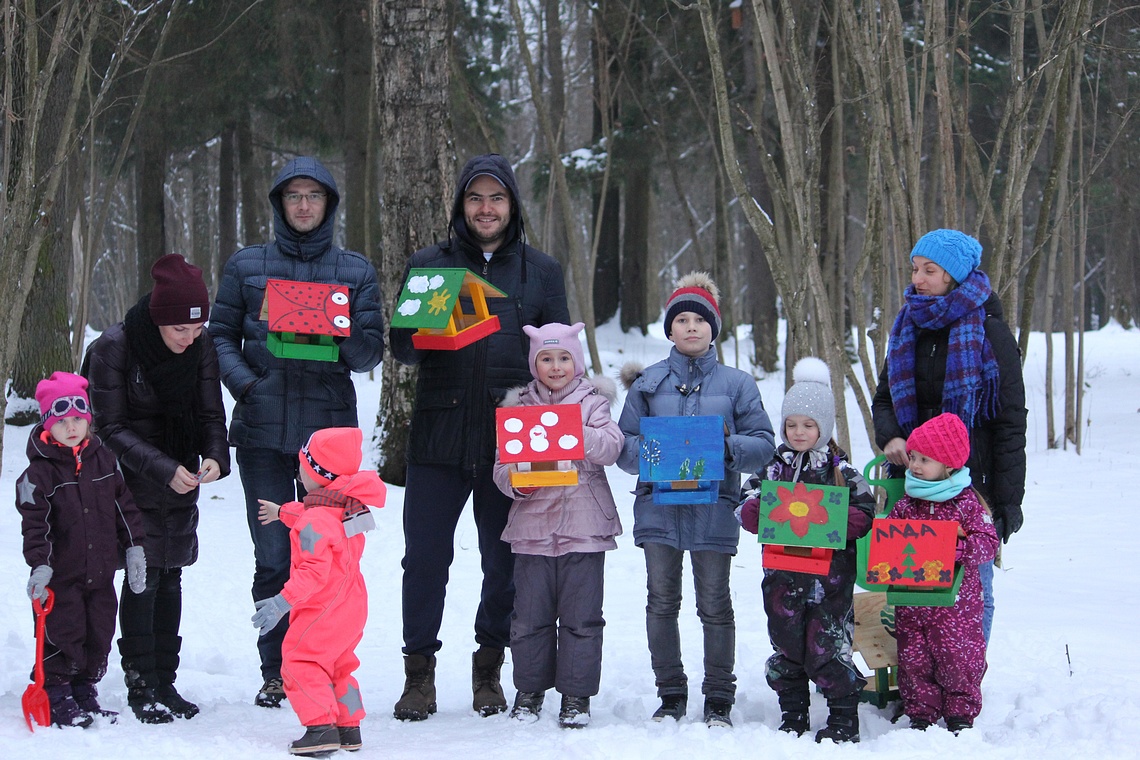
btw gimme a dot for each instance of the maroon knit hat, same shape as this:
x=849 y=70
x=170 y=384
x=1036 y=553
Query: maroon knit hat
x=179 y=296
x=62 y=395
x=944 y=439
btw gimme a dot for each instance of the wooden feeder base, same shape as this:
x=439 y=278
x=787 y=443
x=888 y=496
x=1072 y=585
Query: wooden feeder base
x=539 y=478
x=686 y=492
x=797 y=559
x=319 y=348
x=917 y=596
x=440 y=340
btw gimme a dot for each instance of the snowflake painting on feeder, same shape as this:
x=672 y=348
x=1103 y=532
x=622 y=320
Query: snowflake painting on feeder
x=541 y=443
x=448 y=308
x=683 y=457
x=304 y=318
x=801 y=524
x=916 y=557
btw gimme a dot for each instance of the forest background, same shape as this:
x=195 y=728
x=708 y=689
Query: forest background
x=795 y=150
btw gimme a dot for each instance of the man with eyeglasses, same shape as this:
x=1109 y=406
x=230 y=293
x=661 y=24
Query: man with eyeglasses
x=451 y=449
x=281 y=402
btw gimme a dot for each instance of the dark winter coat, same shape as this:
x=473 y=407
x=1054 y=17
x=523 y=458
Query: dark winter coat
x=77 y=515
x=749 y=445
x=457 y=391
x=129 y=417
x=281 y=402
x=997 y=445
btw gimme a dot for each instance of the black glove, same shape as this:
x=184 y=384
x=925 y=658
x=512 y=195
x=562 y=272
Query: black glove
x=1009 y=523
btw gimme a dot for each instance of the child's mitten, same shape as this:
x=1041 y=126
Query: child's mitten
x=269 y=611
x=37 y=583
x=136 y=569
x=750 y=515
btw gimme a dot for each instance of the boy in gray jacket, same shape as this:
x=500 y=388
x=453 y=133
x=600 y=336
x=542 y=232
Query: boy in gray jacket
x=692 y=382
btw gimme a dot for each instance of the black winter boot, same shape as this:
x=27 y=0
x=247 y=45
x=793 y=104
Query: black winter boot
x=953 y=725
x=718 y=712
x=138 y=673
x=87 y=697
x=418 y=700
x=318 y=741
x=794 y=704
x=672 y=706
x=486 y=691
x=271 y=693
x=64 y=710
x=166 y=660
x=842 y=721
x=528 y=704
x=350 y=738
x=575 y=712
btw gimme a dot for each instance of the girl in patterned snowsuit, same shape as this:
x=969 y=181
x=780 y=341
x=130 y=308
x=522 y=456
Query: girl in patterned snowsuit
x=810 y=617
x=942 y=652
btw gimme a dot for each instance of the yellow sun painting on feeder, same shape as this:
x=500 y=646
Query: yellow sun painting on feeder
x=447 y=307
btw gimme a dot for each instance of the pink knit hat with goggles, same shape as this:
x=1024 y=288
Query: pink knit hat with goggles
x=64 y=394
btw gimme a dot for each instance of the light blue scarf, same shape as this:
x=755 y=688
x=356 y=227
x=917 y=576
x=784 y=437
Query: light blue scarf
x=938 y=490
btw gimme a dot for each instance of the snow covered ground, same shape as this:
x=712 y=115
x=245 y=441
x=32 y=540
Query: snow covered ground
x=1061 y=682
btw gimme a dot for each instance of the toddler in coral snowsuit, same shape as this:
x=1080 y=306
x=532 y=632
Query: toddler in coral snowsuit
x=810 y=618
x=942 y=652
x=325 y=597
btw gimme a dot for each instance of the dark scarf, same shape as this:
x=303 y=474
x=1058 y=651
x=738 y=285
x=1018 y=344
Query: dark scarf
x=173 y=378
x=970 y=389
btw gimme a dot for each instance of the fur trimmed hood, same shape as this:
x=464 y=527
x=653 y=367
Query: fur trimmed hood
x=629 y=372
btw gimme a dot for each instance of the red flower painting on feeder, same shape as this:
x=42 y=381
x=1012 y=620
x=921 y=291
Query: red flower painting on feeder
x=800 y=508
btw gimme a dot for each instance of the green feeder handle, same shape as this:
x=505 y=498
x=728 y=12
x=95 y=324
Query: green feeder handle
x=895 y=488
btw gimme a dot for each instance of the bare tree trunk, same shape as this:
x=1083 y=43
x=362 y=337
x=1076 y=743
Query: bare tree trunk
x=227 y=196
x=419 y=168
x=253 y=227
x=356 y=63
x=150 y=199
x=202 y=236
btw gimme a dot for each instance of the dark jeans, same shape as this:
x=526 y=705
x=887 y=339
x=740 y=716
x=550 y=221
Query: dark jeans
x=663 y=566
x=434 y=497
x=271 y=475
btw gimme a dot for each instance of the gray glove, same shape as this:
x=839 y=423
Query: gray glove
x=136 y=569
x=37 y=583
x=269 y=611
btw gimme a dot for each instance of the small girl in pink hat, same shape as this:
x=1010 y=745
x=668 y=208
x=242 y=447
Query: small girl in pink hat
x=942 y=651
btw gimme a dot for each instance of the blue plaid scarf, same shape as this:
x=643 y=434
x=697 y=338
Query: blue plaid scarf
x=970 y=389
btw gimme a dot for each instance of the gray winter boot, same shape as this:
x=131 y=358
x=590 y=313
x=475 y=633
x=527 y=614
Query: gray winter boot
x=418 y=700
x=487 y=693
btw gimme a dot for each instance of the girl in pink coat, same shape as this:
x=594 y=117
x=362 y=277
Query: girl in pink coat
x=942 y=651
x=325 y=597
x=559 y=535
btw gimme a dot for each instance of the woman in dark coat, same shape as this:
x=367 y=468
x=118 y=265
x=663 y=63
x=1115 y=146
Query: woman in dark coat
x=157 y=401
x=951 y=351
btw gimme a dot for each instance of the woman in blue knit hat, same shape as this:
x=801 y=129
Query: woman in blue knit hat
x=950 y=350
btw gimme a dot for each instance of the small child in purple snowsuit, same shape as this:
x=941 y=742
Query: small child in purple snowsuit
x=810 y=617
x=942 y=652
x=559 y=536
x=76 y=514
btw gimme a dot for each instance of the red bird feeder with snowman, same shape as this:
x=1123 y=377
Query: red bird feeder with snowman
x=541 y=444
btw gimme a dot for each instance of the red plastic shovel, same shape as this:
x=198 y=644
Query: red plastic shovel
x=36 y=704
